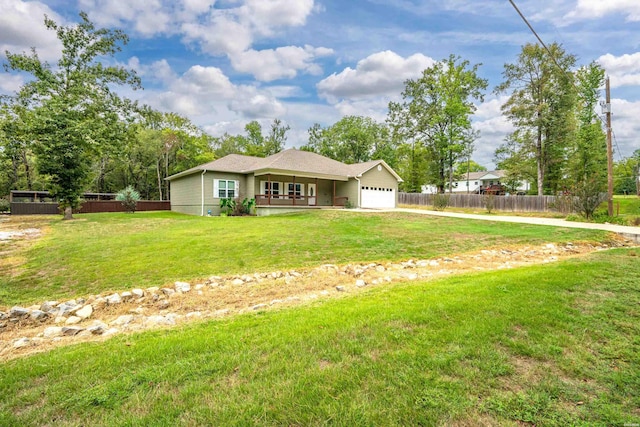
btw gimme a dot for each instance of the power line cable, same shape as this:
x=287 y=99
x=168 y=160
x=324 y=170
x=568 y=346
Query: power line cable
x=535 y=34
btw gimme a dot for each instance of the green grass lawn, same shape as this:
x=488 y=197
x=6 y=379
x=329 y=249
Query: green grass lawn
x=551 y=345
x=101 y=252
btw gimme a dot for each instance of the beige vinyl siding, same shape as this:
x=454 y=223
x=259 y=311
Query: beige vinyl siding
x=211 y=201
x=186 y=194
x=348 y=189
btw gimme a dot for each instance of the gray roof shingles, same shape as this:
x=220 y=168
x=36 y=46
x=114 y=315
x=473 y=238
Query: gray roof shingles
x=287 y=160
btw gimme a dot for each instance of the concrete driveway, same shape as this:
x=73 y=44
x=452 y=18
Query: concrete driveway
x=632 y=233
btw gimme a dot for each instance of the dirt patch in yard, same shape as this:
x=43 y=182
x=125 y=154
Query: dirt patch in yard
x=27 y=330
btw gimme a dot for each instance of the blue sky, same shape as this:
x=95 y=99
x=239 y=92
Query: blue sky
x=223 y=63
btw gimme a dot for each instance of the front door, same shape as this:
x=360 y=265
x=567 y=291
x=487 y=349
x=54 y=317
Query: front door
x=311 y=194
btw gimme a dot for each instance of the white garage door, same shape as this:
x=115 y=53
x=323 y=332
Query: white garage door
x=378 y=197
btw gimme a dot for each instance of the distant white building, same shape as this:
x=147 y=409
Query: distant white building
x=475 y=182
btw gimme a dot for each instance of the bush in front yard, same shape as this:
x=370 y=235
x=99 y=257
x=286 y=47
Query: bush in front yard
x=129 y=198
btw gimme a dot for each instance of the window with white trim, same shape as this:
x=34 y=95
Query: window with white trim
x=296 y=189
x=271 y=188
x=225 y=188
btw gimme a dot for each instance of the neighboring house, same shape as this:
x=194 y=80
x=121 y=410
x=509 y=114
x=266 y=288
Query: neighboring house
x=475 y=182
x=288 y=180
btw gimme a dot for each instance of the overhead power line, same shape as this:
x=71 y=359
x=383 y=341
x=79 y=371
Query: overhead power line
x=535 y=34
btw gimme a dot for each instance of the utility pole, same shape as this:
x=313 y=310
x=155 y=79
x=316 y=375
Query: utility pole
x=607 y=109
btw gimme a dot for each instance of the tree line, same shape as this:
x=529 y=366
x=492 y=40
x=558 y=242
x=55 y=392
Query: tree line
x=66 y=130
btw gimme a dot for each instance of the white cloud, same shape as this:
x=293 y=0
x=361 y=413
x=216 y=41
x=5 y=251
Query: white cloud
x=593 y=9
x=22 y=27
x=626 y=127
x=206 y=95
x=382 y=73
x=264 y=16
x=148 y=17
x=283 y=62
x=493 y=128
x=624 y=70
x=10 y=83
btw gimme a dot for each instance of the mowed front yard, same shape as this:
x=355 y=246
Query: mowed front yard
x=553 y=344
x=101 y=252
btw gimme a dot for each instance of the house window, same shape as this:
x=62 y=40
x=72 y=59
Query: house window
x=271 y=188
x=296 y=189
x=225 y=188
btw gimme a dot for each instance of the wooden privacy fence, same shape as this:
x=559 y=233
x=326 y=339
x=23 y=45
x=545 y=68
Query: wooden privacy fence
x=476 y=201
x=89 y=206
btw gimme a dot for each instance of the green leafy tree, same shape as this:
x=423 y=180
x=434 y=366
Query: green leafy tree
x=434 y=120
x=588 y=158
x=258 y=145
x=625 y=174
x=463 y=167
x=74 y=114
x=541 y=107
x=17 y=163
x=352 y=139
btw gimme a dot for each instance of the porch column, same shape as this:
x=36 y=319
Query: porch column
x=270 y=189
x=334 y=193
x=315 y=195
x=294 y=190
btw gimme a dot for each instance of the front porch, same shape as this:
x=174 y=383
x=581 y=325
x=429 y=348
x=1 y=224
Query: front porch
x=288 y=191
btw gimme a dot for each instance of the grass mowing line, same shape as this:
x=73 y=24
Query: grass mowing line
x=521 y=346
x=102 y=252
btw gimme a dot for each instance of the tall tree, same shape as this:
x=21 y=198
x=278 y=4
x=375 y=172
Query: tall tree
x=541 y=109
x=75 y=114
x=434 y=119
x=352 y=139
x=259 y=145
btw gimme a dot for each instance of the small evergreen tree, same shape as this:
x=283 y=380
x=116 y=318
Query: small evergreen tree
x=129 y=198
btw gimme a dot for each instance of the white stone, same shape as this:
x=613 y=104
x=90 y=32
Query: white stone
x=199 y=287
x=22 y=342
x=99 y=303
x=111 y=331
x=221 y=312
x=16 y=312
x=38 y=315
x=168 y=291
x=60 y=319
x=123 y=320
x=237 y=282
x=275 y=301
x=182 y=286
x=258 y=306
x=360 y=283
x=153 y=289
x=71 y=331
x=340 y=288
x=85 y=312
x=114 y=299
x=98 y=328
x=193 y=314
x=52 y=332
x=412 y=276
x=380 y=268
x=139 y=293
x=126 y=296
x=72 y=320
x=158 y=320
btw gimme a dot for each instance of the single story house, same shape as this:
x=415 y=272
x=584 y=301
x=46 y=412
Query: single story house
x=289 y=180
x=475 y=182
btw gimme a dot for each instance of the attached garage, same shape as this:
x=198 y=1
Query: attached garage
x=378 y=197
